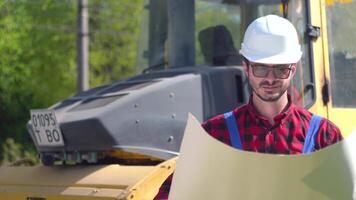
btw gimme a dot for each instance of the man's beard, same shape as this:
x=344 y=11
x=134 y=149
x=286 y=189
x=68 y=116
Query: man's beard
x=269 y=98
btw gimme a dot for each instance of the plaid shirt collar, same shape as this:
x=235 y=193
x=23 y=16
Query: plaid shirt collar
x=278 y=119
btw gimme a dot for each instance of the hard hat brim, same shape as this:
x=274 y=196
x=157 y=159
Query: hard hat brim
x=281 y=58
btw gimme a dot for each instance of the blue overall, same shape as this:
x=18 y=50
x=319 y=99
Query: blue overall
x=308 y=143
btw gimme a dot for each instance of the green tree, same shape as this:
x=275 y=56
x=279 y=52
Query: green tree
x=114 y=28
x=38 y=57
x=37 y=49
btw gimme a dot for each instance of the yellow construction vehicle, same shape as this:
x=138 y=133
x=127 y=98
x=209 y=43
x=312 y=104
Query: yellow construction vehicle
x=121 y=141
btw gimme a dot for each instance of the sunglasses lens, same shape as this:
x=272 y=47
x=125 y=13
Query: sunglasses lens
x=281 y=72
x=260 y=71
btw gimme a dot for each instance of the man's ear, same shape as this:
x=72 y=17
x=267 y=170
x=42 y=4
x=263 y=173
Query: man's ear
x=244 y=64
x=294 y=69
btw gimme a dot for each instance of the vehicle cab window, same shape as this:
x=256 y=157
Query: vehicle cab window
x=341 y=32
x=220 y=28
x=211 y=33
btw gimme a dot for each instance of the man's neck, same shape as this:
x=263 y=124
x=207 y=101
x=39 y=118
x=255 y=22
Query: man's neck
x=270 y=109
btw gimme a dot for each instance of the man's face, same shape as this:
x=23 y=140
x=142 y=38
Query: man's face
x=268 y=81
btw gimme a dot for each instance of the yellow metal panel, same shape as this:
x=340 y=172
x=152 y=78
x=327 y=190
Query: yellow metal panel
x=345 y=119
x=84 y=182
x=331 y=2
x=324 y=33
x=50 y=193
x=148 y=187
x=110 y=176
x=342 y=117
x=318 y=57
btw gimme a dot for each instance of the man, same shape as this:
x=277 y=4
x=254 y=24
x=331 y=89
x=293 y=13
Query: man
x=270 y=122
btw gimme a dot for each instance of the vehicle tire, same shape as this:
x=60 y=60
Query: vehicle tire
x=47 y=160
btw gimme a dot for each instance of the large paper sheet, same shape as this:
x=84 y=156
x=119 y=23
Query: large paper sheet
x=208 y=169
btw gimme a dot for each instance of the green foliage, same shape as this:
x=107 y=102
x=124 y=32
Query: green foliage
x=15 y=154
x=35 y=59
x=38 y=58
x=114 y=32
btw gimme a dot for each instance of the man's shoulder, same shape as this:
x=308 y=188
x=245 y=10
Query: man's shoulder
x=219 y=120
x=302 y=113
x=241 y=110
x=328 y=132
x=329 y=125
x=307 y=115
x=213 y=122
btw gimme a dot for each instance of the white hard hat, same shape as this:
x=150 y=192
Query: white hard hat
x=271 y=40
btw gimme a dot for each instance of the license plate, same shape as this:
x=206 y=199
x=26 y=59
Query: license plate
x=46 y=129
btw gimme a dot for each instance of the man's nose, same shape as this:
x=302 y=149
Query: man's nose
x=270 y=74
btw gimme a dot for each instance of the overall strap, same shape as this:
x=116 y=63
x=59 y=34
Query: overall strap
x=309 y=142
x=233 y=130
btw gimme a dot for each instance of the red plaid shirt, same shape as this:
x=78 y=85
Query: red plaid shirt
x=286 y=136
